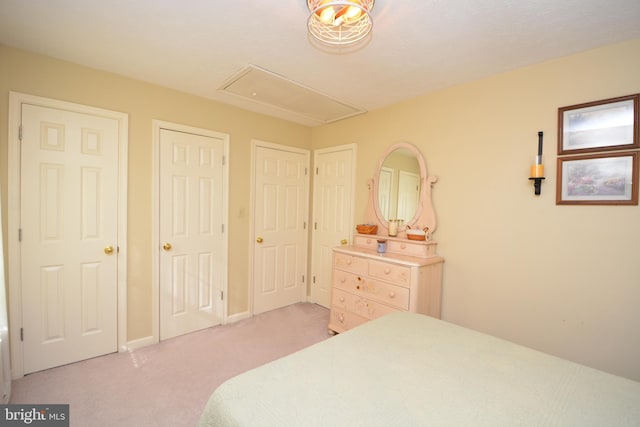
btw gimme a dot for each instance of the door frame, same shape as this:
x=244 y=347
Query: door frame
x=155 y=242
x=16 y=99
x=255 y=143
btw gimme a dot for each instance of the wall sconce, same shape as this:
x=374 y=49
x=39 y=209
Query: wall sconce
x=537 y=169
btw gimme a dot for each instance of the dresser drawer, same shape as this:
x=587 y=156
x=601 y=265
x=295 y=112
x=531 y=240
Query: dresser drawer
x=367 y=242
x=397 y=245
x=340 y=299
x=347 y=302
x=371 y=309
x=350 y=263
x=365 y=286
x=407 y=247
x=390 y=272
x=346 y=281
x=342 y=320
x=387 y=293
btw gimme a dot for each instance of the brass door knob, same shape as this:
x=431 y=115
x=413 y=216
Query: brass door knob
x=166 y=246
x=108 y=250
x=344 y=242
x=259 y=240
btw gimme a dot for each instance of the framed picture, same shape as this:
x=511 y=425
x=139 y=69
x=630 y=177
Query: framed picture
x=611 y=124
x=598 y=179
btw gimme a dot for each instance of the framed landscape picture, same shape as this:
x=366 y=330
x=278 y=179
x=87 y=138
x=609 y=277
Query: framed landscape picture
x=611 y=124
x=598 y=179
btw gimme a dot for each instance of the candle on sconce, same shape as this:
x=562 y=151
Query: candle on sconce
x=537 y=169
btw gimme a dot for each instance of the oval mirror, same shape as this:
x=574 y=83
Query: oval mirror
x=398 y=183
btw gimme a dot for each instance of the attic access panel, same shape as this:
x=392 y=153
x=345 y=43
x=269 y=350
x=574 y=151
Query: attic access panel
x=270 y=89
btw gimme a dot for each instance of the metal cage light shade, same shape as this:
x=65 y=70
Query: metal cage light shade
x=339 y=22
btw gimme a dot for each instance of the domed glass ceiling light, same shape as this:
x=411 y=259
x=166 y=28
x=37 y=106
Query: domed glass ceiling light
x=339 y=22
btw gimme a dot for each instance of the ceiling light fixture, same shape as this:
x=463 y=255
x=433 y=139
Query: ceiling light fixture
x=339 y=22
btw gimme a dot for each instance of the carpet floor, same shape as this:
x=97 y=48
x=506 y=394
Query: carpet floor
x=168 y=384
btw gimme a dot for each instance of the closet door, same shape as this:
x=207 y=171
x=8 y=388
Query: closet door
x=69 y=245
x=192 y=254
x=333 y=182
x=280 y=191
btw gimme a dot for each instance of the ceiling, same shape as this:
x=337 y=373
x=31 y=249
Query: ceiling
x=416 y=46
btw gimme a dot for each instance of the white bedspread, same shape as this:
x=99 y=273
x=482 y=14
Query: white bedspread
x=411 y=370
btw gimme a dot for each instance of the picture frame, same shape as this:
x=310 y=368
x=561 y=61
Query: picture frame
x=598 y=179
x=610 y=124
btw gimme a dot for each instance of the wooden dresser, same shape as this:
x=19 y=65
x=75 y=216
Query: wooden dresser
x=367 y=284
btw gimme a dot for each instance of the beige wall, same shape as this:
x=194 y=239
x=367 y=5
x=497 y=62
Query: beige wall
x=42 y=76
x=561 y=279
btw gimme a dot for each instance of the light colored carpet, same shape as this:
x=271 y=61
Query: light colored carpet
x=168 y=384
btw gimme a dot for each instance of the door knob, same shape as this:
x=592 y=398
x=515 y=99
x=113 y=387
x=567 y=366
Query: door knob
x=166 y=246
x=344 y=242
x=108 y=250
x=259 y=240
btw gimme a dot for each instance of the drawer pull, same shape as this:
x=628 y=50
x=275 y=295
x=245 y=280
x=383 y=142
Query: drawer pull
x=392 y=294
x=387 y=271
x=403 y=246
x=341 y=318
x=348 y=262
x=341 y=299
x=357 y=286
x=342 y=280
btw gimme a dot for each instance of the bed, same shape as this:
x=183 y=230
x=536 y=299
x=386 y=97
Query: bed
x=408 y=369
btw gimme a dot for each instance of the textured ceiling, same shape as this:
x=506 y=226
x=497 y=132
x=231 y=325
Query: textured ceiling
x=416 y=46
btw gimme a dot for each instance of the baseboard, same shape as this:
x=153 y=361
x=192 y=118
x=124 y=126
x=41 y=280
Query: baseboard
x=141 y=342
x=150 y=340
x=237 y=317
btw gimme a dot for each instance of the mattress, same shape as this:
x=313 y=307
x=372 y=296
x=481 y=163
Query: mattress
x=407 y=369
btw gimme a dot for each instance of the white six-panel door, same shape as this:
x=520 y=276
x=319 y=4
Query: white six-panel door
x=385 y=182
x=69 y=253
x=332 y=214
x=192 y=259
x=280 y=234
x=408 y=194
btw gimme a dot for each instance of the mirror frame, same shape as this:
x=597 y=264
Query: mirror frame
x=424 y=215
